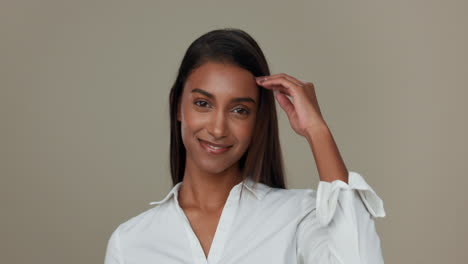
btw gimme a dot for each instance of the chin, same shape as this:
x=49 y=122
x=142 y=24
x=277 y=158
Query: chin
x=214 y=167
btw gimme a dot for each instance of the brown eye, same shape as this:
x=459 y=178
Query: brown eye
x=200 y=103
x=241 y=111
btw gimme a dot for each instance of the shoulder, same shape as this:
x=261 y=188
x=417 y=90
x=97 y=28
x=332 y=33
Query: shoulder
x=138 y=223
x=302 y=200
x=294 y=194
x=291 y=193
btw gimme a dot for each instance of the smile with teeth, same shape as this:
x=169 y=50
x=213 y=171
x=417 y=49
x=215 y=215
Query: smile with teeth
x=213 y=149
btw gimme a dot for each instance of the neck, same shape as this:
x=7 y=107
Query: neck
x=206 y=191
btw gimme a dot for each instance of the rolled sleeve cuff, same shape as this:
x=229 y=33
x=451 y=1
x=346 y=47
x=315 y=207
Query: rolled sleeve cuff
x=328 y=194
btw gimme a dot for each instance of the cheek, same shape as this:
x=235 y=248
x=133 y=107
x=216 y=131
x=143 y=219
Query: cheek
x=245 y=132
x=190 y=123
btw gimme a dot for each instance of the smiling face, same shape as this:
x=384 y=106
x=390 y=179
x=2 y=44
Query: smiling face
x=217 y=112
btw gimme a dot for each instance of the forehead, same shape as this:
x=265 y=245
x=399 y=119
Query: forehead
x=222 y=80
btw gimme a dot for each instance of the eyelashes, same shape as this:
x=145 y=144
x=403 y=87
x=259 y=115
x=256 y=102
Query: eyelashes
x=243 y=111
x=200 y=103
x=239 y=110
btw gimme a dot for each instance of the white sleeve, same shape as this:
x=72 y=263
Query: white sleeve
x=338 y=224
x=113 y=252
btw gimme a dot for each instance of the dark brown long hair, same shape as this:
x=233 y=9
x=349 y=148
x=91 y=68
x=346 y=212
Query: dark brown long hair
x=263 y=160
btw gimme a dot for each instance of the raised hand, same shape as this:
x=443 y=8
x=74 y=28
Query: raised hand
x=302 y=109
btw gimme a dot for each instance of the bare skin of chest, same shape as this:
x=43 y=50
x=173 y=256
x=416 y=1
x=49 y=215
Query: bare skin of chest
x=204 y=226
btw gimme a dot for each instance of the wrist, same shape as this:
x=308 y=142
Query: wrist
x=318 y=130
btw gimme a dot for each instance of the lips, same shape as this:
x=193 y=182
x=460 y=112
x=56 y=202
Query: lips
x=214 y=148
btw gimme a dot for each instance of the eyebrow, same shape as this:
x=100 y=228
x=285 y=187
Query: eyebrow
x=234 y=100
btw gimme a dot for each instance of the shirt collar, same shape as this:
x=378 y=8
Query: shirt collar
x=258 y=189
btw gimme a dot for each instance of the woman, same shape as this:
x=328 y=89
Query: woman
x=229 y=202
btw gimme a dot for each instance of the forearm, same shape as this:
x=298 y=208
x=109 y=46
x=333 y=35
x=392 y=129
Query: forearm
x=327 y=157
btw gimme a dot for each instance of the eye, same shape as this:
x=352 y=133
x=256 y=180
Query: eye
x=200 y=103
x=241 y=111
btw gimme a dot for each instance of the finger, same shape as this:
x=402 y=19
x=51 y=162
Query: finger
x=288 y=77
x=291 y=88
x=285 y=103
x=279 y=88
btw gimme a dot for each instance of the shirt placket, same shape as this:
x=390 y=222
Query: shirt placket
x=221 y=233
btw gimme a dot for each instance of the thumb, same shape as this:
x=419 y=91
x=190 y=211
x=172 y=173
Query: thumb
x=284 y=102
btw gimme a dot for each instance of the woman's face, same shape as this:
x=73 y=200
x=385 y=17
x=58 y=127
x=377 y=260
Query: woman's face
x=217 y=112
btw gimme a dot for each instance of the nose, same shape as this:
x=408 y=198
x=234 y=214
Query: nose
x=218 y=125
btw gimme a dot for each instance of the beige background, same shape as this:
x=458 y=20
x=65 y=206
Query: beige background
x=84 y=113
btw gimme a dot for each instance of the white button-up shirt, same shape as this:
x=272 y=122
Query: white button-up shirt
x=260 y=224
